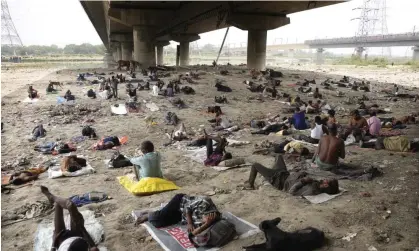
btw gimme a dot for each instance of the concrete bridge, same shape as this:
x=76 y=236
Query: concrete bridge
x=359 y=43
x=138 y=29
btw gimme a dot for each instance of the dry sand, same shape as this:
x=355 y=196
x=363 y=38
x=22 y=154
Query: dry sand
x=397 y=190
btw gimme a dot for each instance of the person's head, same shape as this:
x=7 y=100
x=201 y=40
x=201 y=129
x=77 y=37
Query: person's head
x=355 y=114
x=329 y=186
x=30 y=87
x=304 y=152
x=147 y=147
x=297 y=99
x=78 y=244
x=333 y=129
x=317 y=90
x=319 y=101
x=331 y=113
x=318 y=120
x=373 y=114
x=113 y=77
x=297 y=110
x=310 y=102
x=227 y=156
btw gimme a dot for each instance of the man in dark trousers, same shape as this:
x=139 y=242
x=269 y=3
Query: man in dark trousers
x=115 y=87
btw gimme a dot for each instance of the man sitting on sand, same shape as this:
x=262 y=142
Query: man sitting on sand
x=316 y=132
x=295 y=183
x=32 y=93
x=74 y=239
x=50 y=88
x=357 y=126
x=147 y=165
x=38 y=132
x=299 y=119
x=198 y=212
x=330 y=149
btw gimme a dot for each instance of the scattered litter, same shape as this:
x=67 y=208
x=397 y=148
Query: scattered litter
x=349 y=236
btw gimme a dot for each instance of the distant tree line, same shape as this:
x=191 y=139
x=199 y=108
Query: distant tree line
x=43 y=50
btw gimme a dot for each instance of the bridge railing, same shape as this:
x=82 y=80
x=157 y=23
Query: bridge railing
x=390 y=37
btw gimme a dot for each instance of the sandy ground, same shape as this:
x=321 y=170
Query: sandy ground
x=396 y=191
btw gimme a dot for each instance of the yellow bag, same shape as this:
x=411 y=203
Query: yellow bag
x=147 y=186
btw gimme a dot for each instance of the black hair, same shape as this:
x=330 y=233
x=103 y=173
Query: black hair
x=297 y=109
x=373 y=114
x=318 y=120
x=333 y=187
x=331 y=113
x=79 y=244
x=147 y=147
x=310 y=102
x=304 y=152
x=227 y=155
x=333 y=129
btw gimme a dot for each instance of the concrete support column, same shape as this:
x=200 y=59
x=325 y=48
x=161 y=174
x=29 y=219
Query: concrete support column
x=144 y=46
x=118 y=52
x=359 y=51
x=184 y=53
x=159 y=54
x=415 y=53
x=107 y=60
x=256 y=49
x=126 y=48
x=319 y=56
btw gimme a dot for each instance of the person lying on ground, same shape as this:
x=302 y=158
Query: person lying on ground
x=108 y=143
x=215 y=156
x=32 y=93
x=395 y=144
x=147 y=165
x=20 y=178
x=273 y=148
x=50 y=88
x=199 y=213
x=72 y=163
x=222 y=122
x=74 y=239
x=299 y=120
x=329 y=150
x=316 y=132
x=273 y=128
x=296 y=183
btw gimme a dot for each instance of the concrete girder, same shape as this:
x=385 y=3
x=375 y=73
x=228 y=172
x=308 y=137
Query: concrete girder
x=184 y=37
x=247 y=21
x=132 y=17
x=121 y=37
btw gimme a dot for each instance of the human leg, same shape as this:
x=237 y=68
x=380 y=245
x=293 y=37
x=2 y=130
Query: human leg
x=169 y=214
x=210 y=149
x=256 y=168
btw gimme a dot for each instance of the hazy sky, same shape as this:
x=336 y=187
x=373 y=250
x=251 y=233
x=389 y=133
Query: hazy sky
x=62 y=22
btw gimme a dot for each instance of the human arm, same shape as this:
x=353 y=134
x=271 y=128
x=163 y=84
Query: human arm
x=342 y=149
x=210 y=219
x=325 y=130
x=189 y=221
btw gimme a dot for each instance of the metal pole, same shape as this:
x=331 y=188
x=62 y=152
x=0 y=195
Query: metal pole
x=221 y=48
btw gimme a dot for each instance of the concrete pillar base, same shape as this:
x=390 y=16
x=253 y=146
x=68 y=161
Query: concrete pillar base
x=319 y=56
x=184 y=54
x=256 y=49
x=126 y=48
x=108 y=59
x=359 y=51
x=144 y=46
x=415 y=56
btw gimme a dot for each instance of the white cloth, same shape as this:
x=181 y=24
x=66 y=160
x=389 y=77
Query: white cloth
x=225 y=122
x=66 y=243
x=155 y=91
x=317 y=132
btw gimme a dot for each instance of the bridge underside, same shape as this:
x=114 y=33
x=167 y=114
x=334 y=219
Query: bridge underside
x=134 y=29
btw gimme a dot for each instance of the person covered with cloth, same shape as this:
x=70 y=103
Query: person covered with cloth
x=296 y=183
x=199 y=213
x=74 y=239
x=147 y=165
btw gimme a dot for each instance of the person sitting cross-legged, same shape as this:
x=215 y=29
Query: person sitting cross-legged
x=147 y=165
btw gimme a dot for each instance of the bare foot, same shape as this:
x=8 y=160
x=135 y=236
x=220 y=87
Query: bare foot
x=141 y=219
x=48 y=194
x=247 y=186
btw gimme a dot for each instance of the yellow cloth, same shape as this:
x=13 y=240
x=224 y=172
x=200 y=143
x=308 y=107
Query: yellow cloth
x=147 y=186
x=397 y=144
x=297 y=146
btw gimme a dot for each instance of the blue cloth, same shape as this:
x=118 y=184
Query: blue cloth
x=299 y=121
x=148 y=165
x=88 y=198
